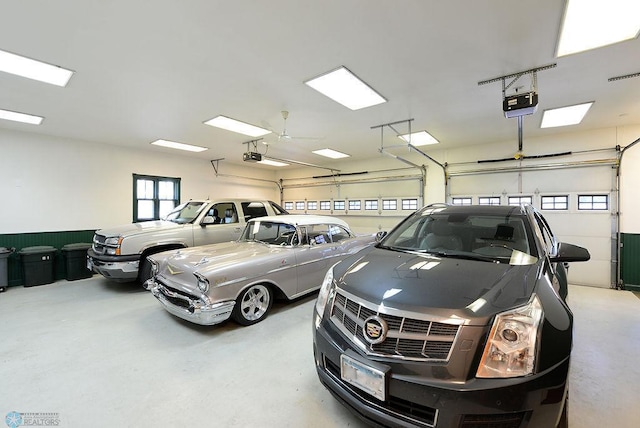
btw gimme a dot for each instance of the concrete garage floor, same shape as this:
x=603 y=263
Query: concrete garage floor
x=100 y=354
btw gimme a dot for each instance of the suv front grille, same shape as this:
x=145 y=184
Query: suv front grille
x=406 y=338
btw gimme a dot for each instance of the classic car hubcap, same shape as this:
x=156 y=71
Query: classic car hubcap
x=255 y=302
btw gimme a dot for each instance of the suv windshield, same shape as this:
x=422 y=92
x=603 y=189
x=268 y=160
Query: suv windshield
x=477 y=236
x=185 y=213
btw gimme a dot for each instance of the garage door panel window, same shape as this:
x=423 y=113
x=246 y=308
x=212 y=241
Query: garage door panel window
x=462 y=201
x=489 y=200
x=520 y=200
x=593 y=202
x=555 y=203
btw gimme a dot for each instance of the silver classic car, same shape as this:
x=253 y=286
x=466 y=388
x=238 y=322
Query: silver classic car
x=282 y=256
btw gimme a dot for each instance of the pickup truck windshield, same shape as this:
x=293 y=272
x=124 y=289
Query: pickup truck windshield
x=185 y=213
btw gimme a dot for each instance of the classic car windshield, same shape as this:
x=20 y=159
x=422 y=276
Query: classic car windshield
x=185 y=213
x=270 y=233
x=481 y=237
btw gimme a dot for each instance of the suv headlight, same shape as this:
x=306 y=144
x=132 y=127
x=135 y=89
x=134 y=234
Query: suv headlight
x=513 y=343
x=203 y=282
x=323 y=295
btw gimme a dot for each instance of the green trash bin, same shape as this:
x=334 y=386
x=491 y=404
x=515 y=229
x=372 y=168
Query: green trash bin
x=76 y=261
x=4 y=271
x=37 y=264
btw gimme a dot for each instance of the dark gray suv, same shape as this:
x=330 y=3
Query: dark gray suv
x=457 y=318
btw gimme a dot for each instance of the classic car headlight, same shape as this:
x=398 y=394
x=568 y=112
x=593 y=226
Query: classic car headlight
x=323 y=295
x=203 y=283
x=512 y=345
x=112 y=246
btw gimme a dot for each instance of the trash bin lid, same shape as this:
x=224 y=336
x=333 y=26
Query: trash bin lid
x=4 y=250
x=37 y=249
x=76 y=246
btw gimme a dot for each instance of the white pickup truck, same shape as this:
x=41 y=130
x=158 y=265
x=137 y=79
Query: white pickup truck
x=120 y=253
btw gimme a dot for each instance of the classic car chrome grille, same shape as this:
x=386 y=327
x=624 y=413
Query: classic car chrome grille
x=175 y=296
x=407 y=338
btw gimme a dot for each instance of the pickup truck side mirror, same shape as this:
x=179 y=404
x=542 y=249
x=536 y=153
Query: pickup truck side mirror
x=207 y=220
x=570 y=253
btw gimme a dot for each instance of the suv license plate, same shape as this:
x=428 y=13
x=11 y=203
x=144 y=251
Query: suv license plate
x=364 y=377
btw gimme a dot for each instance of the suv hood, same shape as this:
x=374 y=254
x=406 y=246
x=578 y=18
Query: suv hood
x=439 y=286
x=136 y=228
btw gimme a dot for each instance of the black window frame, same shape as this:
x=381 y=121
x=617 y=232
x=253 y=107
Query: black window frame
x=156 y=198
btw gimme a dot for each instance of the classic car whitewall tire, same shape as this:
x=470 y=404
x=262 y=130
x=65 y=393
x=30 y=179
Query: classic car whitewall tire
x=253 y=305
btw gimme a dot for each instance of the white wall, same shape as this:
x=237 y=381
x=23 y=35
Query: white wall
x=54 y=184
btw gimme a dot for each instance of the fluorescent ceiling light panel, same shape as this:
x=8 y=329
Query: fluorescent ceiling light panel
x=333 y=154
x=422 y=138
x=590 y=24
x=32 y=69
x=179 y=146
x=565 y=116
x=272 y=162
x=345 y=88
x=237 y=126
x=21 y=117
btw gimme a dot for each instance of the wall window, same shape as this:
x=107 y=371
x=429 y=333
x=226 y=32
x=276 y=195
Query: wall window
x=371 y=204
x=410 y=204
x=355 y=205
x=325 y=205
x=555 y=202
x=489 y=200
x=389 y=204
x=520 y=200
x=154 y=197
x=593 y=202
x=300 y=205
x=461 y=201
x=312 y=205
x=338 y=205
x=288 y=206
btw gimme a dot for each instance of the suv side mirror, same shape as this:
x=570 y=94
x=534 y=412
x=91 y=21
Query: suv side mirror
x=570 y=253
x=380 y=235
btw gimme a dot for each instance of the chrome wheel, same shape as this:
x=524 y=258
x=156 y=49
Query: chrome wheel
x=252 y=305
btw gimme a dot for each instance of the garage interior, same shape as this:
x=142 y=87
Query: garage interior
x=99 y=353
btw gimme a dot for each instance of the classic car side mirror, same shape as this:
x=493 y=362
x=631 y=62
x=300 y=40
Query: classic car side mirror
x=570 y=253
x=380 y=235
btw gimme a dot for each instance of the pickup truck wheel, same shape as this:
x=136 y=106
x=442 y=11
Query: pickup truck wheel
x=253 y=305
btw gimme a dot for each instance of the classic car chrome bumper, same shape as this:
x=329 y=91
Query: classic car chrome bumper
x=190 y=309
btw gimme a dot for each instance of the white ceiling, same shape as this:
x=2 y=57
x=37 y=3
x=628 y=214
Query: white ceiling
x=148 y=70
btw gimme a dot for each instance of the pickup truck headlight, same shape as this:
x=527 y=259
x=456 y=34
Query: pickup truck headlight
x=325 y=291
x=513 y=343
x=112 y=246
x=203 y=283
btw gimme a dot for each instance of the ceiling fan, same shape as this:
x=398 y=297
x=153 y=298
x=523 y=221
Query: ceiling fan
x=284 y=135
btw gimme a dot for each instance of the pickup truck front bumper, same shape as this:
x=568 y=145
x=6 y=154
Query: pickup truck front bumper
x=116 y=268
x=190 y=308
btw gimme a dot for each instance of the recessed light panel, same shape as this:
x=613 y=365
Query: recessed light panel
x=32 y=69
x=565 y=116
x=20 y=117
x=345 y=88
x=333 y=154
x=179 y=146
x=422 y=138
x=272 y=162
x=593 y=24
x=237 y=126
